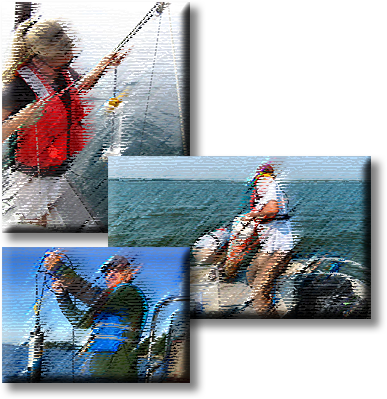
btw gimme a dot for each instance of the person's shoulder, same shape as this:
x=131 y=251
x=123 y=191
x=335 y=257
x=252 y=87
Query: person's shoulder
x=264 y=182
x=129 y=290
x=15 y=85
x=16 y=94
x=128 y=295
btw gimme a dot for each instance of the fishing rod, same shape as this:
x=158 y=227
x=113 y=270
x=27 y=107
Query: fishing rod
x=36 y=339
x=114 y=105
x=37 y=335
x=156 y=10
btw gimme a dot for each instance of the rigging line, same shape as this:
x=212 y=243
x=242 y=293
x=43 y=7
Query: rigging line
x=115 y=82
x=183 y=137
x=150 y=85
x=114 y=96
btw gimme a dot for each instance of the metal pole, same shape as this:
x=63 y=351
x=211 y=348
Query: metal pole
x=158 y=309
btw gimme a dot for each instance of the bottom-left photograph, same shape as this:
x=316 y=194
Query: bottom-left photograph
x=96 y=315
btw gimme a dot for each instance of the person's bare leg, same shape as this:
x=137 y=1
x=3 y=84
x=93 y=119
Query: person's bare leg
x=269 y=267
x=234 y=258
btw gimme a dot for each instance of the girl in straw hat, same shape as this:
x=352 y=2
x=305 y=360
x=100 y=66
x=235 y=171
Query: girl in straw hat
x=42 y=116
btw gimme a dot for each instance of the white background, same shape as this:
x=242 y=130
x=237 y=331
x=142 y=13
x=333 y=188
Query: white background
x=309 y=45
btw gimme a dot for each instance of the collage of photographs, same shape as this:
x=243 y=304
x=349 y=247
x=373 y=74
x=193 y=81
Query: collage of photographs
x=127 y=239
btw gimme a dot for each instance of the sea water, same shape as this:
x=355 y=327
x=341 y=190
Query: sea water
x=57 y=366
x=329 y=218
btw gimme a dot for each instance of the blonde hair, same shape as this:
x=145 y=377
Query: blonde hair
x=32 y=38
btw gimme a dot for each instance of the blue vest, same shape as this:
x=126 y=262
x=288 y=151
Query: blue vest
x=110 y=328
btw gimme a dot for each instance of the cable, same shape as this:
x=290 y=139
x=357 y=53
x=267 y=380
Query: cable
x=183 y=137
x=150 y=85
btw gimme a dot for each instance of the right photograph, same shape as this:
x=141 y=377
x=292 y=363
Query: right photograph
x=271 y=236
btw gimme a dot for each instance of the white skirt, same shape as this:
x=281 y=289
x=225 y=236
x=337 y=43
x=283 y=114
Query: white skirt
x=276 y=236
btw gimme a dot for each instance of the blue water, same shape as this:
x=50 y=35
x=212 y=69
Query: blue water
x=328 y=217
x=57 y=366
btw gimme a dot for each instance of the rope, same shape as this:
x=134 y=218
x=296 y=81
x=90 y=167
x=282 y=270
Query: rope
x=150 y=85
x=183 y=137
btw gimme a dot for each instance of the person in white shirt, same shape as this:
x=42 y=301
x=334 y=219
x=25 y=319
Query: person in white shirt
x=267 y=224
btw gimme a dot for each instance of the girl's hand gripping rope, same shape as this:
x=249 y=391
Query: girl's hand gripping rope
x=111 y=60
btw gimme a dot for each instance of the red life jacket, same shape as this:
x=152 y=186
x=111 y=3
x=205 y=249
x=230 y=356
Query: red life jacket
x=51 y=141
x=253 y=198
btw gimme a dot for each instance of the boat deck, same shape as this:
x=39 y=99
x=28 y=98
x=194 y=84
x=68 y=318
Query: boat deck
x=71 y=213
x=227 y=299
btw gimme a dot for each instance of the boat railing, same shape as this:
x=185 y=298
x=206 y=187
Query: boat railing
x=150 y=369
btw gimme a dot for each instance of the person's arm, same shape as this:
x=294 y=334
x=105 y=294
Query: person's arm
x=113 y=59
x=76 y=317
x=76 y=285
x=27 y=116
x=269 y=211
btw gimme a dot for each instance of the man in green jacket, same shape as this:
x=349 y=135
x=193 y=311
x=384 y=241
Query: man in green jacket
x=116 y=315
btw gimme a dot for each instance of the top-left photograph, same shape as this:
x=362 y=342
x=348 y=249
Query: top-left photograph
x=83 y=82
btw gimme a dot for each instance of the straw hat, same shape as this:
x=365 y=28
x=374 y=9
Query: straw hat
x=48 y=38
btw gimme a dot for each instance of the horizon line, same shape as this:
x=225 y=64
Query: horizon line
x=235 y=180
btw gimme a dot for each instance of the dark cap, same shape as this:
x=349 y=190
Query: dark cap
x=115 y=261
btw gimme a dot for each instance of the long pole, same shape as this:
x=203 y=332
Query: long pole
x=24 y=11
x=36 y=342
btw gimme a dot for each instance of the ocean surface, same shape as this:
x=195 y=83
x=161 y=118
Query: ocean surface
x=330 y=218
x=57 y=366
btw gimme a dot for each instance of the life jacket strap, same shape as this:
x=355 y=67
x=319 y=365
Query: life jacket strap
x=34 y=82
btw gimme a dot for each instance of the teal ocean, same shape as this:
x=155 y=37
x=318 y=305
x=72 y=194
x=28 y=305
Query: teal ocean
x=328 y=217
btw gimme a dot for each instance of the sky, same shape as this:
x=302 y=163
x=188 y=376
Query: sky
x=160 y=276
x=238 y=168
